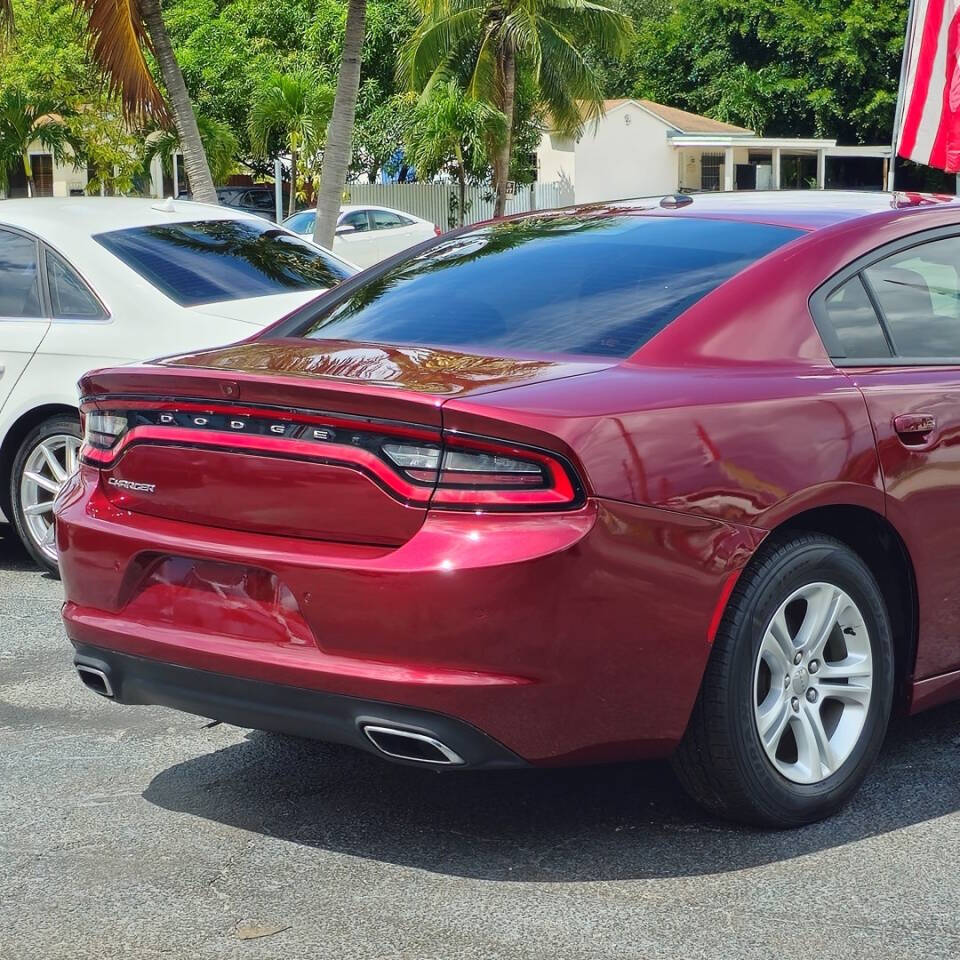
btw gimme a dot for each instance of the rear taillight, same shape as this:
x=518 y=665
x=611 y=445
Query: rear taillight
x=416 y=464
x=102 y=431
x=476 y=473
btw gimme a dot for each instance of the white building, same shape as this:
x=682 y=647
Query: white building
x=642 y=148
x=52 y=179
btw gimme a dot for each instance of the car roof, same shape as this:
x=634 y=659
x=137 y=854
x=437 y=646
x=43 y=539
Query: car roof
x=351 y=207
x=65 y=218
x=802 y=209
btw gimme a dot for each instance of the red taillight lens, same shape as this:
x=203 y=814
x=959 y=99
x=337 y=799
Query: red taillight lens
x=414 y=463
x=484 y=474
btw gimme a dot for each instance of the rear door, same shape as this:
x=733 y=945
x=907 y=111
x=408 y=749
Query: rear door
x=23 y=316
x=354 y=240
x=894 y=321
x=392 y=232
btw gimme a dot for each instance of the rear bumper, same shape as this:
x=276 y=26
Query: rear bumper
x=568 y=638
x=284 y=709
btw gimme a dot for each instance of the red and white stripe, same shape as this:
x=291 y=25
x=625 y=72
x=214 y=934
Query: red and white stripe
x=930 y=120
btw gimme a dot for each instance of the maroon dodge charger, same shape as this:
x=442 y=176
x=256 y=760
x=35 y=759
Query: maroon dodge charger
x=672 y=477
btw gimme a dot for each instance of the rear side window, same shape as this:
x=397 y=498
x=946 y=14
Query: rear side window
x=855 y=322
x=357 y=219
x=385 y=220
x=569 y=285
x=216 y=260
x=70 y=298
x=19 y=276
x=918 y=291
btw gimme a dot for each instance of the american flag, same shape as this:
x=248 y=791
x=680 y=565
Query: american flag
x=928 y=114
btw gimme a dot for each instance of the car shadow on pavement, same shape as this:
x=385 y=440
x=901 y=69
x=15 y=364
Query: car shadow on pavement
x=599 y=823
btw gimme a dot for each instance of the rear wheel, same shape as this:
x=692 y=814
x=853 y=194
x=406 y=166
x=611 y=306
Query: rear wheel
x=795 y=700
x=46 y=458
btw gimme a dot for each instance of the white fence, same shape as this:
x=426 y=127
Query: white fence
x=436 y=202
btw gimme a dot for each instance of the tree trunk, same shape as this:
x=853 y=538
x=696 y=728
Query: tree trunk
x=336 y=156
x=194 y=157
x=501 y=162
x=293 y=178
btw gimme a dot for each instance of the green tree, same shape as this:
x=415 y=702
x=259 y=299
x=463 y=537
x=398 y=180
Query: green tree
x=380 y=130
x=25 y=120
x=493 y=38
x=780 y=67
x=452 y=130
x=219 y=143
x=120 y=35
x=295 y=107
x=108 y=148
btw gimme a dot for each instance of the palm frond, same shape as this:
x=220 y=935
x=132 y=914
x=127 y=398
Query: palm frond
x=118 y=38
x=434 y=40
x=606 y=28
x=569 y=87
x=295 y=105
x=485 y=82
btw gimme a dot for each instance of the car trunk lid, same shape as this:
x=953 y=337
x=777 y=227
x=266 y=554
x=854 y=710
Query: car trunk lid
x=287 y=437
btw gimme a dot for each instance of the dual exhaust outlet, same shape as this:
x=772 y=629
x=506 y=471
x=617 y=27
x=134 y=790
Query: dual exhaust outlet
x=394 y=742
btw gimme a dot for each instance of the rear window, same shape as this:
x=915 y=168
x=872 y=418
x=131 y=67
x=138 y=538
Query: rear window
x=216 y=260
x=595 y=286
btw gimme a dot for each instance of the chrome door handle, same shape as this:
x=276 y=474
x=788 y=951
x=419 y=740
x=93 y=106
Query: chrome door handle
x=915 y=428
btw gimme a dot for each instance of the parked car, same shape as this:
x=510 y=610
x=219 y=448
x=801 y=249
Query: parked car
x=259 y=199
x=91 y=281
x=673 y=478
x=366 y=235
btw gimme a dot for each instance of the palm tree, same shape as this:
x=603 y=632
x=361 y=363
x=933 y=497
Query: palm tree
x=450 y=129
x=220 y=145
x=492 y=38
x=336 y=156
x=24 y=121
x=295 y=106
x=120 y=32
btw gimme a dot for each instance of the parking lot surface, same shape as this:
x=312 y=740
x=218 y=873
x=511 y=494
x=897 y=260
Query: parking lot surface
x=142 y=833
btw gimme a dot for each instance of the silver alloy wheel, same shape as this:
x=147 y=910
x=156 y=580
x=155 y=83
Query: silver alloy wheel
x=47 y=468
x=812 y=683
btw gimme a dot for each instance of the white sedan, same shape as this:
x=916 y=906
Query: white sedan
x=88 y=282
x=366 y=235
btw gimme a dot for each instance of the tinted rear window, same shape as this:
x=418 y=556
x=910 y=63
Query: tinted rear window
x=215 y=260
x=600 y=286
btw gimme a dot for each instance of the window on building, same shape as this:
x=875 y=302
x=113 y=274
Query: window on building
x=711 y=171
x=42 y=166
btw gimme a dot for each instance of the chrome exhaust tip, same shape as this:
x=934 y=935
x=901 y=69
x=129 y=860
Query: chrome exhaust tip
x=403 y=744
x=95 y=680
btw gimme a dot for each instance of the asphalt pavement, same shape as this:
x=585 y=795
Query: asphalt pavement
x=141 y=833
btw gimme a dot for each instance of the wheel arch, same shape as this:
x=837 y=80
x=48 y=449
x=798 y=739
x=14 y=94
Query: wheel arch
x=881 y=547
x=15 y=436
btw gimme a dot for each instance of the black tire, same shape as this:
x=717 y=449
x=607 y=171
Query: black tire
x=721 y=761
x=60 y=425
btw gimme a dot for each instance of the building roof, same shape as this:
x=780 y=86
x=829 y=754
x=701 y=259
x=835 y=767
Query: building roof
x=680 y=120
